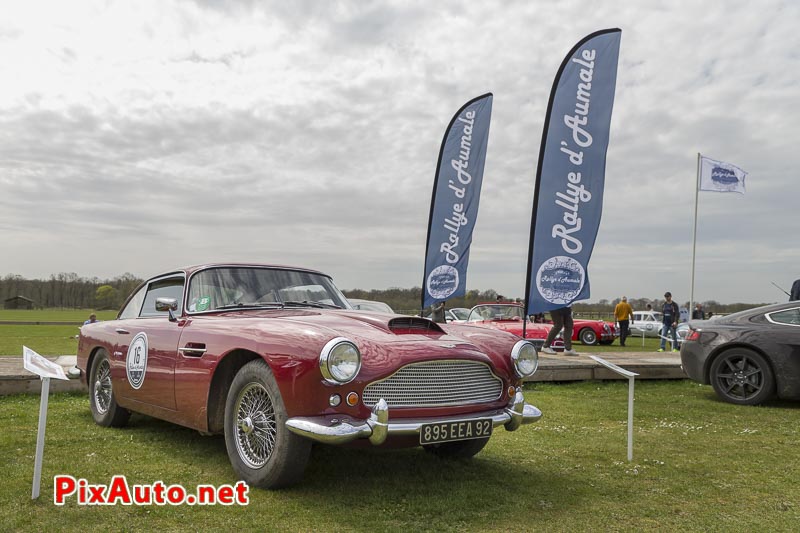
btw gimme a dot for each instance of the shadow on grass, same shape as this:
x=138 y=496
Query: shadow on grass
x=409 y=486
x=774 y=403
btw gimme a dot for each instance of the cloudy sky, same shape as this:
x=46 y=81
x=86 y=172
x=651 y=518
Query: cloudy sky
x=141 y=136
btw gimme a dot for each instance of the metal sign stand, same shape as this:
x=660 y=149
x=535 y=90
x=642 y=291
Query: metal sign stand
x=36 y=364
x=630 y=375
x=37 y=467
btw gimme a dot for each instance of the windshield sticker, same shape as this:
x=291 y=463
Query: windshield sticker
x=136 y=360
x=203 y=303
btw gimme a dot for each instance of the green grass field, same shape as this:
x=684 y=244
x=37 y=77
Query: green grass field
x=699 y=465
x=53 y=315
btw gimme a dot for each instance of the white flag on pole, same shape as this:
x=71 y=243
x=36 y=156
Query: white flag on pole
x=718 y=176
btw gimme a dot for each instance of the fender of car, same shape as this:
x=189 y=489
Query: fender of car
x=275 y=357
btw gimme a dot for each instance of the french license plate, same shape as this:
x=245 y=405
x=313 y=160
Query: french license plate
x=450 y=431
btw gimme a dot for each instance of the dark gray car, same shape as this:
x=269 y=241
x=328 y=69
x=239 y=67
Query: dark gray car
x=748 y=357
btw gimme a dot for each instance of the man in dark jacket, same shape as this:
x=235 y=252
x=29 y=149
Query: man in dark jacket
x=671 y=316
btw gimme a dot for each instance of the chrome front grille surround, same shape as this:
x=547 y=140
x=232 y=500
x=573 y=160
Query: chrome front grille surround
x=436 y=384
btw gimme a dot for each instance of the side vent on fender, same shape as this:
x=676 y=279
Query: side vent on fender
x=413 y=324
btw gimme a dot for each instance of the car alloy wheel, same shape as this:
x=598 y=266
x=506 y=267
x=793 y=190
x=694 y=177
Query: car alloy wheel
x=255 y=425
x=742 y=377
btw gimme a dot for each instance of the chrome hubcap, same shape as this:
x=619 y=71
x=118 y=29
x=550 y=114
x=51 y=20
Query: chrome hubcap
x=256 y=426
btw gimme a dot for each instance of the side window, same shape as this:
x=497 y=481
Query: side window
x=134 y=305
x=164 y=288
x=790 y=316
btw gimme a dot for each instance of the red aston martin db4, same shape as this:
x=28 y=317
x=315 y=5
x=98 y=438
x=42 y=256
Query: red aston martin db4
x=274 y=358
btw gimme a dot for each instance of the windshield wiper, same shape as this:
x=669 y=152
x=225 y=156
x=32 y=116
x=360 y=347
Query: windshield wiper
x=242 y=305
x=318 y=305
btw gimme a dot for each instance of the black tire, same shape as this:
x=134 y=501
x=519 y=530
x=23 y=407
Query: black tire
x=102 y=402
x=742 y=376
x=460 y=449
x=588 y=337
x=262 y=451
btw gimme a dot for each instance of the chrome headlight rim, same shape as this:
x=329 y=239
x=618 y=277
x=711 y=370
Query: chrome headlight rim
x=325 y=359
x=515 y=358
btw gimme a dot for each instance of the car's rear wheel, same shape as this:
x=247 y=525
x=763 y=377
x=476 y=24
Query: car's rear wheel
x=261 y=449
x=102 y=402
x=588 y=336
x=460 y=449
x=743 y=377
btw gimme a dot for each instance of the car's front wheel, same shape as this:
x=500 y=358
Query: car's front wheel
x=588 y=336
x=460 y=449
x=261 y=449
x=102 y=401
x=743 y=377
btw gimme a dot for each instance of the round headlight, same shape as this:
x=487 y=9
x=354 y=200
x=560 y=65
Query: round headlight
x=339 y=361
x=525 y=357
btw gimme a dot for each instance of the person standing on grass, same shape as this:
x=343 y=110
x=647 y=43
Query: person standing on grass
x=562 y=318
x=92 y=319
x=671 y=315
x=623 y=314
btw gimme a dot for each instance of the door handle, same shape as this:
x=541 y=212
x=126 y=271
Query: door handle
x=122 y=331
x=193 y=349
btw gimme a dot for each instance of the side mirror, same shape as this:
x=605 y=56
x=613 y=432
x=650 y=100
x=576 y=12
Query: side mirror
x=168 y=304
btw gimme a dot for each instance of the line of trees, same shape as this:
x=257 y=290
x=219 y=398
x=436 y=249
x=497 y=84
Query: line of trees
x=68 y=290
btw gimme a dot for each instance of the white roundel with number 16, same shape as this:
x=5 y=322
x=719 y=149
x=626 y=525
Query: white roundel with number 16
x=136 y=360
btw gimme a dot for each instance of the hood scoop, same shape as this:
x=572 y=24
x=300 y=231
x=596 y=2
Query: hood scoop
x=413 y=325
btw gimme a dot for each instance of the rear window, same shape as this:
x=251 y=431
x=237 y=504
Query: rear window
x=789 y=317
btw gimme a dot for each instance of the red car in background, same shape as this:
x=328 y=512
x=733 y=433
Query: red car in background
x=275 y=357
x=510 y=317
x=591 y=332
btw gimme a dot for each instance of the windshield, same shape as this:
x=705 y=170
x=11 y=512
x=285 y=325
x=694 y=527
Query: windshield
x=495 y=312
x=243 y=287
x=460 y=313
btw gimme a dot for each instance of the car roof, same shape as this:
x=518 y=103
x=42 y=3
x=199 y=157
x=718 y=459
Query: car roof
x=189 y=270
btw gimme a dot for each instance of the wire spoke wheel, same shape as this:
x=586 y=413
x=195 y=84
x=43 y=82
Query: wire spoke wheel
x=255 y=425
x=102 y=387
x=102 y=403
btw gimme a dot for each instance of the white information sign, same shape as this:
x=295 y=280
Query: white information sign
x=36 y=364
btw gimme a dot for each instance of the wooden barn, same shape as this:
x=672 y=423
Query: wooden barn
x=18 y=302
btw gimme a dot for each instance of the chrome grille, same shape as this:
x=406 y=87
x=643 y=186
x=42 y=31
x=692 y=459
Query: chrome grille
x=436 y=384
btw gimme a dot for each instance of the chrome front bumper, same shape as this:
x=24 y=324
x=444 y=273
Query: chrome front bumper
x=378 y=427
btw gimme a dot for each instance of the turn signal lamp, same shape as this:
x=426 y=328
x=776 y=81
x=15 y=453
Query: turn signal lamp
x=352 y=398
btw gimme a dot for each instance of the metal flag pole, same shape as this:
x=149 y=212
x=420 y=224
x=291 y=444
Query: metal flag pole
x=694 y=234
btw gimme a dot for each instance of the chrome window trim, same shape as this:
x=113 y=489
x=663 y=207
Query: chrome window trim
x=771 y=321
